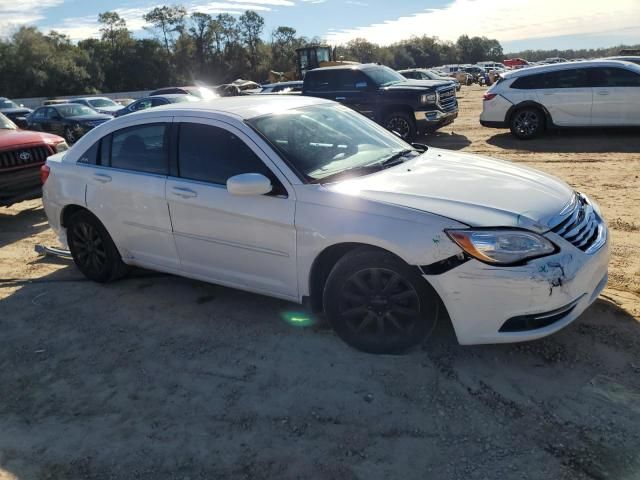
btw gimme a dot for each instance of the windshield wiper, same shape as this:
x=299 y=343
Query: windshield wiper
x=361 y=169
x=395 y=159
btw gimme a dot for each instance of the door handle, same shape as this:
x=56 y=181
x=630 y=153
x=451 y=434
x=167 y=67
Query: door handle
x=603 y=92
x=102 y=177
x=183 y=192
x=340 y=98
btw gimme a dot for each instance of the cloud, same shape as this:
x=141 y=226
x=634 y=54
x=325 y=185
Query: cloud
x=506 y=20
x=357 y=3
x=21 y=12
x=79 y=28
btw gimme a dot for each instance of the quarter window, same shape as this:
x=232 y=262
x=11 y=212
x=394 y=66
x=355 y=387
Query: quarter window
x=211 y=154
x=142 y=148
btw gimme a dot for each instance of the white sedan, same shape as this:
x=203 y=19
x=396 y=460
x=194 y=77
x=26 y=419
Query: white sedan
x=305 y=200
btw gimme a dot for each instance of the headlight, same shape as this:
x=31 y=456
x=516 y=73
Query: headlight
x=62 y=147
x=593 y=203
x=502 y=247
x=428 y=98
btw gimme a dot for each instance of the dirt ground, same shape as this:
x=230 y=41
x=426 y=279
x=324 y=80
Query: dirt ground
x=159 y=377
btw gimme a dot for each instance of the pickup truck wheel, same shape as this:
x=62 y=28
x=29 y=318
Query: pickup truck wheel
x=402 y=124
x=377 y=303
x=93 y=250
x=527 y=123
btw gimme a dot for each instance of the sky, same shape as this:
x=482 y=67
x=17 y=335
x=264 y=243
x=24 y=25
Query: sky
x=517 y=24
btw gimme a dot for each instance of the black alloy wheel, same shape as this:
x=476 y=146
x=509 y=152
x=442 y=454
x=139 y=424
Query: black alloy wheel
x=527 y=123
x=92 y=248
x=378 y=304
x=402 y=124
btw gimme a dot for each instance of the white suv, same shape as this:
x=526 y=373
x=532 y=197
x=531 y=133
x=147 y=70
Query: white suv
x=602 y=93
x=302 y=198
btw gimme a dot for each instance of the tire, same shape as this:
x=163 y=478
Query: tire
x=69 y=136
x=93 y=250
x=527 y=123
x=376 y=303
x=403 y=124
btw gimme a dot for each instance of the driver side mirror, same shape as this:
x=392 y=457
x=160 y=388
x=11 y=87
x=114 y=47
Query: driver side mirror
x=249 y=184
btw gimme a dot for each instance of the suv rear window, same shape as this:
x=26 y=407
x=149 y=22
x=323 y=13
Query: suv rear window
x=572 y=78
x=319 y=81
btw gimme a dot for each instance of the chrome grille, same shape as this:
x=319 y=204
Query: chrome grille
x=582 y=227
x=23 y=157
x=447 y=98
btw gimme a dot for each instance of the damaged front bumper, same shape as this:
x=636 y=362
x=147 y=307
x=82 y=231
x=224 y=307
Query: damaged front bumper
x=491 y=304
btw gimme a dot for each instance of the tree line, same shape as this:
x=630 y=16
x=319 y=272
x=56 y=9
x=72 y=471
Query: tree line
x=186 y=48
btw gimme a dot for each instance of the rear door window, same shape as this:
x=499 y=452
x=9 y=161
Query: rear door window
x=613 y=77
x=574 y=78
x=143 y=148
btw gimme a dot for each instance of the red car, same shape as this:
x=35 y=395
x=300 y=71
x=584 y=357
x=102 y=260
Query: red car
x=22 y=153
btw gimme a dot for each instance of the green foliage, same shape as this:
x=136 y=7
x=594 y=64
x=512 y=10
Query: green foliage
x=208 y=49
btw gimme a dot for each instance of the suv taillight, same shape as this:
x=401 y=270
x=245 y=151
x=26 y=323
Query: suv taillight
x=489 y=96
x=44 y=173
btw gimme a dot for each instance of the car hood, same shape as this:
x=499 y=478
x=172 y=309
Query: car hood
x=417 y=85
x=474 y=190
x=17 y=111
x=89 y=118
x=18 y=138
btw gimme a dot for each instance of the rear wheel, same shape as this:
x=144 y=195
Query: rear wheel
x=402 y=124
x=69 y=135
x=93 y=250
x=527 y=123
x=377 y=303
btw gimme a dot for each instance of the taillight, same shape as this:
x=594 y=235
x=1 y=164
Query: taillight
x=489 y=96
x=44 y=173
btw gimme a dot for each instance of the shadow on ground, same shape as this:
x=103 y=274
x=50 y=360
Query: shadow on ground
x=574 y=141
x=159 y=377
x=27 y=222
x=450 y=141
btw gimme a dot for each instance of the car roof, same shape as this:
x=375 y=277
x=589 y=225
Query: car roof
x=168 y=95
x=89 y=98
x=523 y=72
x=242 y=107
x=357 y=66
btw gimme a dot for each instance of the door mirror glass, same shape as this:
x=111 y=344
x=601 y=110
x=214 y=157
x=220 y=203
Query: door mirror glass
x=249 y=184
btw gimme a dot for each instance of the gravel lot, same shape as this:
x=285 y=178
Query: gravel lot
x=159 y=377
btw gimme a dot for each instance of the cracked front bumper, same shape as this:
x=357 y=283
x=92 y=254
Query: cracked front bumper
x=481 y=298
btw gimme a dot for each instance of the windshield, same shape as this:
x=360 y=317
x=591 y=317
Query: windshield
x=102 y=102
x=6 y=103
x=74 y=110
x=182 y=98
x=383 y=76
x=324 y=140
x=6 y=124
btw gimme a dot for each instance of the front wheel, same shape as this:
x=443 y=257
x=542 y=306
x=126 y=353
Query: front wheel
x=527 y=123
x=402 y=124
x=93 y=250
x=377 y=303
